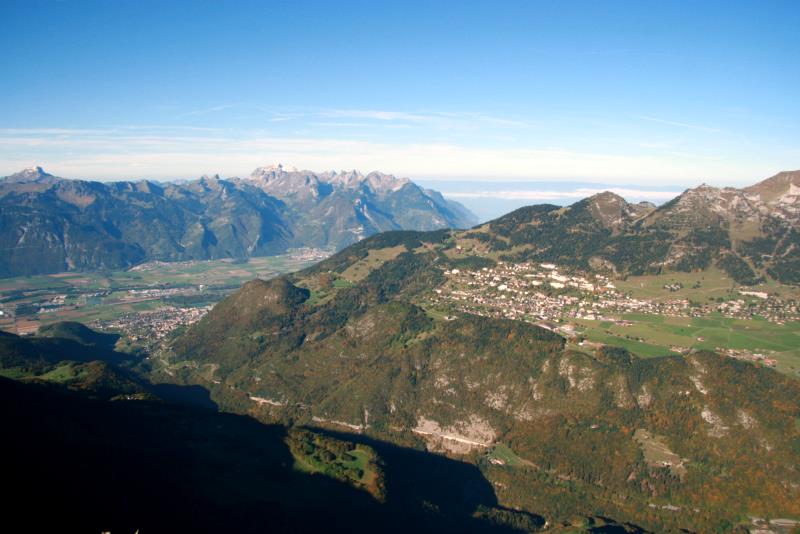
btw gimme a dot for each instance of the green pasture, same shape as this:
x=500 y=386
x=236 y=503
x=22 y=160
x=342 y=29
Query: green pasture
x=503 y=453
x=653 y=335
x=697 y=286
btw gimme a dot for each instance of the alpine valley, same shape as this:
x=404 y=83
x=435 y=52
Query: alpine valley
x=563 y=296
x=440 y=380
x=50 y=224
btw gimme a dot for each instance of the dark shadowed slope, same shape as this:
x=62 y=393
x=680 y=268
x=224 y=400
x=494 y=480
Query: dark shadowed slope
x=134 y=465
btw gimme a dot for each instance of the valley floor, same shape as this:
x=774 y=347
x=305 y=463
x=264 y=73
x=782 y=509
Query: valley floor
x=145 y=302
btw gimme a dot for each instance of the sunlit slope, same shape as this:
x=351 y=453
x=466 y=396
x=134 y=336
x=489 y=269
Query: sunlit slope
x=362 y=354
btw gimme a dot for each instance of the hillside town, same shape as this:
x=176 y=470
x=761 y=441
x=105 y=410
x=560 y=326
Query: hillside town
x=553 y=297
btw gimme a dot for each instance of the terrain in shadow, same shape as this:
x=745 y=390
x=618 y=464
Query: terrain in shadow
x=190 y=395
x=61 y=342
x=420 y=480
x=81 y=464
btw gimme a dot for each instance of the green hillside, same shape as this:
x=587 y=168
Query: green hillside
x=369 y=358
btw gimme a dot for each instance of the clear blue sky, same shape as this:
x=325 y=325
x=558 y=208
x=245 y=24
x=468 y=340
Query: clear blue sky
x=640 y=92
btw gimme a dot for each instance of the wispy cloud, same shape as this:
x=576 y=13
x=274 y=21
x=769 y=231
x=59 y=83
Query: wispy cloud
x=427 y=118
x=680 y=124
x=274 y=115
x=337 y=124
x=130 y=152
x=206 y=111
x=373 y=114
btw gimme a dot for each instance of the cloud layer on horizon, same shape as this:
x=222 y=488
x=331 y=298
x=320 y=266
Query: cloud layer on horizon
x=173 y=152
x=532 y=195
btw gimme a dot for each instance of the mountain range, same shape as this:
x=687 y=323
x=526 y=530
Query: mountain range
x=671 y=442
x=471 y=423
x=50 y=224
x=751 y=233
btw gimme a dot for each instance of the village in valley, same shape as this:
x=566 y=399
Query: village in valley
x=144 y=303
x=148 y=329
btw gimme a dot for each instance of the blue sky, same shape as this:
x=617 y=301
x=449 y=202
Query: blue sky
x=640 y=93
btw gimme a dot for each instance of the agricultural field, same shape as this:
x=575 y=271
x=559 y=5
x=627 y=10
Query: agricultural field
x=28 y=302
x=375 y=258
x=656 y=335
x=697 y=286
x=62 y=373
x=658 y=454
x=501 y=454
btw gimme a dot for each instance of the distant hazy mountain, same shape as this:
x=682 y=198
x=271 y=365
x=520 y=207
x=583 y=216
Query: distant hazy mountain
x=490 y=199
x=50 y=224
x=342 y=207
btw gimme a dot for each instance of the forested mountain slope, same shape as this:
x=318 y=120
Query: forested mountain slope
x=700 y=437
x=751 y=233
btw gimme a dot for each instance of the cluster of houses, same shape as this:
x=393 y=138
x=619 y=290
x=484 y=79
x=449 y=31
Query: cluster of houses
x=749 y=356
x=150 y=327
x=771 y=308
x=55 y=303
x=541 y=292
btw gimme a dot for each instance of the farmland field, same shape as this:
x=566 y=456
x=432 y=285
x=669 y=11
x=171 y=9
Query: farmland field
x=28 y=302
x=656 y=335
x=699 y=286
x=503 y=455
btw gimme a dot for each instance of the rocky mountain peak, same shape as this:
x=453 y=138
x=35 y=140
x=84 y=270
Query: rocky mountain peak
x=272 y=171
x=607 y=197
x=345 y=179
x=211 y=182
x=382 y=183
x=775 y=187
x=778 y=196
x=700 y=206
x=280 y=180
x=31 y=174
x=611 y=210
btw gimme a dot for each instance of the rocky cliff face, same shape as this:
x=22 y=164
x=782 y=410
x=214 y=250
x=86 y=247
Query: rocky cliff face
x=343 y=207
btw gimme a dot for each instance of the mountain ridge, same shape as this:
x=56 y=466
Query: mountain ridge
x=671 y=442
x=752 y=233
x=50 y=224
x=370 y=358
